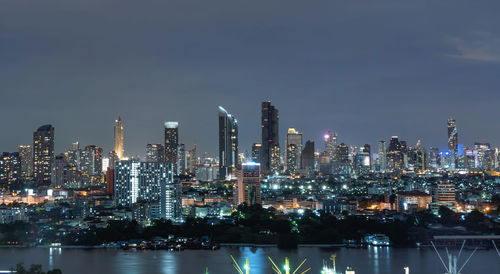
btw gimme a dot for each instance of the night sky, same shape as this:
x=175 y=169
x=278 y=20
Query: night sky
x=366 y=69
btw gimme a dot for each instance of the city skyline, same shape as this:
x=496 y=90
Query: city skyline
x=320 y=139
x=326 y=70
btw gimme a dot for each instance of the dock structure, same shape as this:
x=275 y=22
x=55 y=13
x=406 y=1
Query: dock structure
x=472 y=241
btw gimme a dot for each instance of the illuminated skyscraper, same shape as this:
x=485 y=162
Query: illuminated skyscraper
x=292 y=159
x=91 y=160
x=452 y=141
x=293 y=145
x=395 y=157
x=155 y=153
x=228 y=144
x=256 y=152
x=270 y=159
x=26 y=158
x=118 y=138
x=248 y=188
x=382 y=156
x=330 y=144
x=43 y=154
x=10 y=171
x=181 y=159
x=171 y=143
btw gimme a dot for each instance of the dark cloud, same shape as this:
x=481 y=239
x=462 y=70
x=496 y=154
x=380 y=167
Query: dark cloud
x=367 y=69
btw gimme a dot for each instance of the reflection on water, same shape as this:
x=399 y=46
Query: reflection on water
x=381 y=260
x=169 y=263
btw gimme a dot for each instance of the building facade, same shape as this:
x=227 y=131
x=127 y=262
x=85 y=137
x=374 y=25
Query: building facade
x=43 y=154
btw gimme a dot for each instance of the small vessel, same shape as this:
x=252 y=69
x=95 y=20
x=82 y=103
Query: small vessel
x=327 y=269
x=377 y=240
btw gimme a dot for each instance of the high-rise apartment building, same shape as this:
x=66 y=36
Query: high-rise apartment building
x=171 y=143
x=395 y=156
x=181 y=159
x=118 y=138
x=43 y=154
x=136 y=181
x=330 y=144
x=228 y=145
x=293 y=145
x=270 y=160
x=91 y=160
x=382 y=156
x=256 y=152
x=155 y=153
x=26 y=158
x=10 y=171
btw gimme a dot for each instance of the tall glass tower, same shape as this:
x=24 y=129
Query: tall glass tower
x=43 y=153
x=270 y=160
x=228 y=145
x=452 y=142
x=171 y=143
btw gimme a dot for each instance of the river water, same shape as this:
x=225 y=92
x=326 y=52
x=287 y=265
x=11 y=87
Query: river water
x=377 y=260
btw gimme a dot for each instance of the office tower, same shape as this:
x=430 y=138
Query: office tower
x=248 y=187
x=192 y=160
x=434 y=158
x=483 y=155
x=10 y=171
x=417 y=159
x=342 y=164
x=136 y=181
x=228 y=145
x=292 y=159
x=26 y=158
x=270 y=139
x=330 y=144
x=366 y=152
x=118 y=138
x=58 y=171
x=91 y=160
x=113 y=158
x=43 y=154
x=342 y=155
x=207 y=171
x=293 y=145
x=307 y=159
x=181 y=159
x=395 y=157
x=382 y=156
x=74 y=156
x=452 y=142
x=155 y=153
x=171 y=143
x=256 y=152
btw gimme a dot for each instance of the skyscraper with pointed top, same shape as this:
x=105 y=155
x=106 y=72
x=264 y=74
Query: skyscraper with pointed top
x=118 y=138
